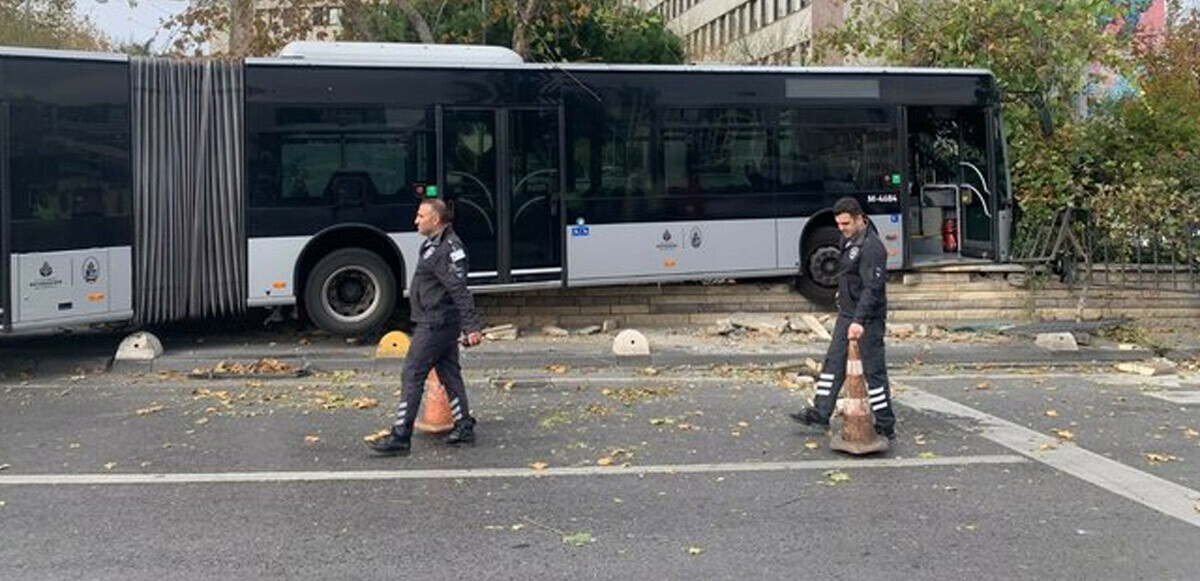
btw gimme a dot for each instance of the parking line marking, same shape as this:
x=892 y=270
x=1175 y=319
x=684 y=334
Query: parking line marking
x=365 y=475
x=1144 y=488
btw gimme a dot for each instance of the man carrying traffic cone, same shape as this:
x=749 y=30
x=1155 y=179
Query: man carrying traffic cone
x=862 y=311
x=442 y=310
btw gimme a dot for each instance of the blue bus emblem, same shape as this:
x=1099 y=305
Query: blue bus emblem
x=580 y=230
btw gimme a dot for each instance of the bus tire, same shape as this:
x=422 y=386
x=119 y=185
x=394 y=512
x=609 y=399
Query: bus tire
x=819 y=266
x=350 y=292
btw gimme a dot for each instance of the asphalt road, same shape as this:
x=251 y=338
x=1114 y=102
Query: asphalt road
x=1004 y=475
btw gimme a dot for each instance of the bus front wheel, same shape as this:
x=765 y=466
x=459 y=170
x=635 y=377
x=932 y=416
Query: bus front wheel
x=350 y=292
x=819 y=266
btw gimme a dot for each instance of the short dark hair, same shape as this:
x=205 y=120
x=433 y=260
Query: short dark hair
x=443 y=208
x=847 y=205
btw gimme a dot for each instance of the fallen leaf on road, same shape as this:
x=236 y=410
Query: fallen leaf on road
x=151 y=409
x=811 y=445
x=693 y=551
x=648 y=371
x=311 y=439
x=837 y=476
x=539 y=465
x=605 y=461
x=1064 y=435
x=377 y=436
x=743 y=425
x=1155 y=458
x=365 y=403
x=556 y=369
x=1052 y=413
x=74 y=445
x=5 y=466
x=517 y=527
x=201 y=421
x=1190 y=433
x=1046 y=447
x=919 y=439
x=927 y=455
x=110 y=465
x=983 y=385
x=2 y=503
x=578 y=539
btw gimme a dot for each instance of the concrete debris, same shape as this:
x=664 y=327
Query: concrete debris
x=507 y=332
x=589 y=330
x=765 y=324
x=817 y=328
x=552 y=331
x=1057 y=342
x=1156 y=366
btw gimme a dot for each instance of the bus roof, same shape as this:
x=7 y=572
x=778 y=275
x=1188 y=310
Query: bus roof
x=400 y=55
x=19 y=51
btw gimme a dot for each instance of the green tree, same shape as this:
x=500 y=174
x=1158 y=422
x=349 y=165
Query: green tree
x=234 y=28
x=47 y=24
x=1045 y=53
x=569 y=30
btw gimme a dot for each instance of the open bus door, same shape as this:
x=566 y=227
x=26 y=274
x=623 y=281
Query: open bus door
x=955 y=200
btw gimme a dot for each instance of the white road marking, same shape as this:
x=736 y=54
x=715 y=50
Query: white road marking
x=1147 y=489
x=1179 y=397
x=365 y=475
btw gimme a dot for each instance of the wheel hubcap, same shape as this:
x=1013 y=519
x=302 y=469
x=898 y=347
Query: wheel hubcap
x=351 y=294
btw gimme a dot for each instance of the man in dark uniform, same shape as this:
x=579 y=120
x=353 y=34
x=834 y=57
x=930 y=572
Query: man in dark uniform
x=862 y=311
x=442 y=309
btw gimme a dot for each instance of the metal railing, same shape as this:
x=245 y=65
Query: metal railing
x=1083 y=251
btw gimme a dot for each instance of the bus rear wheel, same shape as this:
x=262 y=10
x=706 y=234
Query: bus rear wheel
x=350 y=292
x=819 y=266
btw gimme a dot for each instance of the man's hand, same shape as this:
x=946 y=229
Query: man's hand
x=474 y=339
x=855 y=331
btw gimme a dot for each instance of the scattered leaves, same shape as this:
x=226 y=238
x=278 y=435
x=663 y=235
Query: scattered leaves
x=4 y=467
x=983 y=385
x=1190 y=433
x=578 y=539
x=539 y=466
x=1154 y=458
x=311 y=439
x=927 y=455
x=377 y=436
x=919 y=439
x=556 y=369
x=694 y=551
x=110 y=465
x=1052 y=413
x=837 y=476
x=605 y=461
x=1065 y=435
x=555 y=419
x=632 y=395
x=811 y=445
x=1046 y=447
x=365 y=403
x=155 y=408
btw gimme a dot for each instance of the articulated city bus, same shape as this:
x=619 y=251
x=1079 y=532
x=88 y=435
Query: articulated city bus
x=149 y=190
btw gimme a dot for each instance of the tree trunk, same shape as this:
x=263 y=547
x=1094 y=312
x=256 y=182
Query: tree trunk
x=241 y=27
x=525 y=16
x=424 y=34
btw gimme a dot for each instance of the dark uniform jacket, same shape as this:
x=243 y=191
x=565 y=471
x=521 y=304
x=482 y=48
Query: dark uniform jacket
x=439 y=292
x=862 y=282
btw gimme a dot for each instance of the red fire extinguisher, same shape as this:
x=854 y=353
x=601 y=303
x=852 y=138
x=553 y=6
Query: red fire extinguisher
x=950 y=235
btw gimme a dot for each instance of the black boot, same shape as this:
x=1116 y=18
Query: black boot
x=463 y=432
x=809 y=417
x=397 y=443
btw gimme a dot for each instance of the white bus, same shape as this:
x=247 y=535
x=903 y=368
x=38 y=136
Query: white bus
x=150 y=190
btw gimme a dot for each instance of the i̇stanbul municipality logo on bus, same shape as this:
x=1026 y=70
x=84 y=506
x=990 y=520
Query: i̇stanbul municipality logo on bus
x=46 y=270
x=666 y=243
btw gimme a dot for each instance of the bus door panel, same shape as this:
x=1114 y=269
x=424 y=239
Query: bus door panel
x=533 y=180
x=977 y=185
x=470 y=178
x=5 y=229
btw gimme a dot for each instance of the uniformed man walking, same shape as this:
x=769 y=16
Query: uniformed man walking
x=442 y=310
x=862 y=310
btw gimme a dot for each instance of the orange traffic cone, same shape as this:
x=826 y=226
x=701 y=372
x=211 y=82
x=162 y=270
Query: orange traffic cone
x=858 y=423
x=435 y=407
